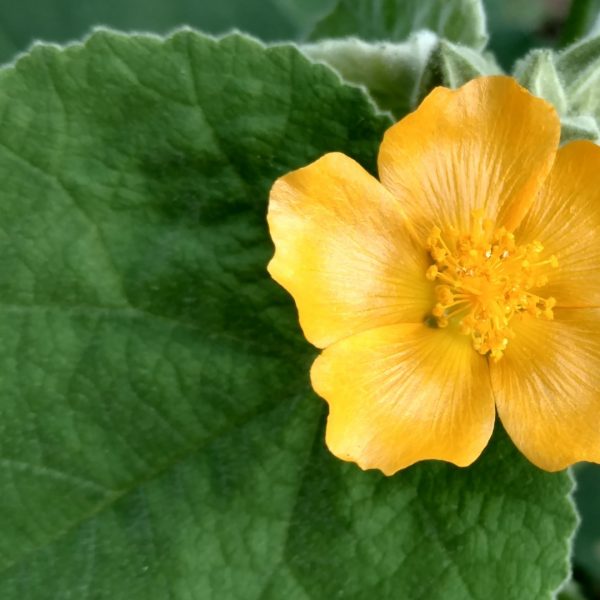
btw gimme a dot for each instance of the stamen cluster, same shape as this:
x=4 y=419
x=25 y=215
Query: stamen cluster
x=484 y=280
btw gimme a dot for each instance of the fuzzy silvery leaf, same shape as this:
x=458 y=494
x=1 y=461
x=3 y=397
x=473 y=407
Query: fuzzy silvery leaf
x=537 y=72
x=554 y=77
x=579 y=69
x=459 y=64
x=582 y=127
x=460 y=21
x=393 y=73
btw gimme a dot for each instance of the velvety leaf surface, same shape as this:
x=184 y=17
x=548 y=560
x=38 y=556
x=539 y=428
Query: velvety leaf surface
x=579 y=66
x=395 y=74
x=459 y=64
x=398 y=75
x=569 y=80
x=537 y=72
x=461 y=21
x=159 y=439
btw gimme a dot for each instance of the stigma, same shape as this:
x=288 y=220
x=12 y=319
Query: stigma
x=485 y=280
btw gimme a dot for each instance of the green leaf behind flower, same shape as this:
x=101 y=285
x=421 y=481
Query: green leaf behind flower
x=570 y=81
x=459 y=64
x=399 y=75
x=538 y=73
x=461 y=21
x=579 y=66
x=159 y=438
x=395 y=74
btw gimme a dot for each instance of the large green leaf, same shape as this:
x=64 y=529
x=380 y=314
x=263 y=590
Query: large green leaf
x=159 y=439
x=461 y=21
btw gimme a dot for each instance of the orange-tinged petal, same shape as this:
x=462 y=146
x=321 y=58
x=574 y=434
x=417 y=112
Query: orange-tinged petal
x=565 y=218
x=404 y=393
x=547 y=388
x=343 y=251
x=487 y=145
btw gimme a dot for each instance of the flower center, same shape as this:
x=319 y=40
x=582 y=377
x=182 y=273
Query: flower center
x=484 y=280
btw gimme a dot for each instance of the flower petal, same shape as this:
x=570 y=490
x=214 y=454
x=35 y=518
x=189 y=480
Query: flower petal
x=488 y=145
x=547 y=388
x=566 y=219
x=404 y=393
x=343 y=251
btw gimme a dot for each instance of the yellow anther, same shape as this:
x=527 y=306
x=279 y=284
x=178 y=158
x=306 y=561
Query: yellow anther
x=434 y=237
x=438 y=254
x=537 y=246
x=496 y=354
x=487 y=281
x=438 y=310
x=431 y=273
x=444 y=295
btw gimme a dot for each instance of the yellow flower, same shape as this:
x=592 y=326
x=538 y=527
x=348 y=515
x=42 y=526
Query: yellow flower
x=467 y=281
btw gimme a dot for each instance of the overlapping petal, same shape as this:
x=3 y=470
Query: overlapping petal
x=566 y=219
x=547 y=388
x=404 y=393
x=343 y=251
x=488 y=145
